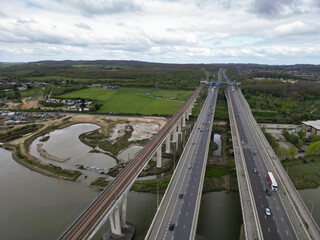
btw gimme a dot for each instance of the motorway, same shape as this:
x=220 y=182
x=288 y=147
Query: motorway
x=187 y=180
x=278 y=225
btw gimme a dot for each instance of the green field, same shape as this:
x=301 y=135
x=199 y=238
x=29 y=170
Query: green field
x=177 y=95
x=118 y=101
x=304 y=175
x=33 y=92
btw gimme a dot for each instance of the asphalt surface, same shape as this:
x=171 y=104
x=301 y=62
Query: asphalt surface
x=277 y=225
x=186 y=180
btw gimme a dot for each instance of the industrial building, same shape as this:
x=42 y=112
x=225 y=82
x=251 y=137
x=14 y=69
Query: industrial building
x=311 y=126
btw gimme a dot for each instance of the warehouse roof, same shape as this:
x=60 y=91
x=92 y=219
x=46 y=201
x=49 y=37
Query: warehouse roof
x=314 y=124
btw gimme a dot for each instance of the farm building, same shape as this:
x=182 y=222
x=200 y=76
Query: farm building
x=311 y=126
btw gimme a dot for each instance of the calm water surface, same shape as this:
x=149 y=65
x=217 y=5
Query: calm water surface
x=217 y=140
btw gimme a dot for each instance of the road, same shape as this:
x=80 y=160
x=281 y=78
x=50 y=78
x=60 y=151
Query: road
x=278 y=225
x=187 y=180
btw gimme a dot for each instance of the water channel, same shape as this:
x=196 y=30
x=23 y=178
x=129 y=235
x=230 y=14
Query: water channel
x=34 y=206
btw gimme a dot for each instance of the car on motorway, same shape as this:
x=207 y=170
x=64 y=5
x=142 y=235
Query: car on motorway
x=193 y=143
x=180 y=195
x=268 y=212
x=268 y=192
x=274 y=158
x=201 y=130
x=255 y=170
x=198 y=128
x=242 y=142
x=189 y=166
x=171 y=226
x=207 y=129
x=254 y=153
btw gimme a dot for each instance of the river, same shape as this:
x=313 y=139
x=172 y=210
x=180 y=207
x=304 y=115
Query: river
x=34 y=206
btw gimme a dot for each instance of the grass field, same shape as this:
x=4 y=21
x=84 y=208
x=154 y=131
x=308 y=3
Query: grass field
x=304 y=175
x=117 y=101
x=178 y=95
x=33 y=92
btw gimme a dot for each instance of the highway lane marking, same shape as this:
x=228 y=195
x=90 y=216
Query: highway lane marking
x=269 y=229
x=281 y=219
x=287 y=233
x=278 y=208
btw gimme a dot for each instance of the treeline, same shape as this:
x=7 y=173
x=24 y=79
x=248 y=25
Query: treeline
x=120 y=73
x=299 y=90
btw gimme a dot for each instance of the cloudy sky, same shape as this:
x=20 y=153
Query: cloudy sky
x=174 y=31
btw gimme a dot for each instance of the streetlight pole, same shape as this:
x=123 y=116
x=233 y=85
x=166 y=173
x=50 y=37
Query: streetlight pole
x=312 y=203
x=157 y=195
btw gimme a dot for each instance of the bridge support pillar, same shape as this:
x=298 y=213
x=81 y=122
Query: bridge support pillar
x=183 y=121
x=179 y=126
x=187 y=114
x=168 y=144
x=174 y=134
x=124 y=212
x=159 y=156
x=115 y=222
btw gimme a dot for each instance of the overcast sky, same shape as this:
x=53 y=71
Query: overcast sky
x=173 y=31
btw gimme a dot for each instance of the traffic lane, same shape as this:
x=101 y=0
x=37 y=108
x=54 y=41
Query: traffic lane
x=184 y=224
x=268 y=226
x=267 y=223
x=173 y=194
x=284 y=227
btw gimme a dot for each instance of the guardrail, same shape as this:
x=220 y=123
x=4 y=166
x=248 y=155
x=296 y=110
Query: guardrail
x=253 y=205
x=283 y=173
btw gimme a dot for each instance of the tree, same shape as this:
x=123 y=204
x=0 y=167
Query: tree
x=313 y=148
x=292 y=152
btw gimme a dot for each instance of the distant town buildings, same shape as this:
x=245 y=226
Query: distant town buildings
x=11 y=117
x=311 y=126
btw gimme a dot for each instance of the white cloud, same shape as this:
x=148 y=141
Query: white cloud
x=294 y=28
x=157 y=30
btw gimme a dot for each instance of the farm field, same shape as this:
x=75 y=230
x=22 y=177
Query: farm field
x=123 y=102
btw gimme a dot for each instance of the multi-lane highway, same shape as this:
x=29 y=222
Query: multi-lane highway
x=277 y=225
x=181 y=201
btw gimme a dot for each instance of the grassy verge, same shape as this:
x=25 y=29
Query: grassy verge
x=304 y=172
x=151 y=186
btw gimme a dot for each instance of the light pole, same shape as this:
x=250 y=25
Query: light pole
x=312 y=203
x=157 y=195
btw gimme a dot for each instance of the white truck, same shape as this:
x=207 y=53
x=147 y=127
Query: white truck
x=272 y=181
